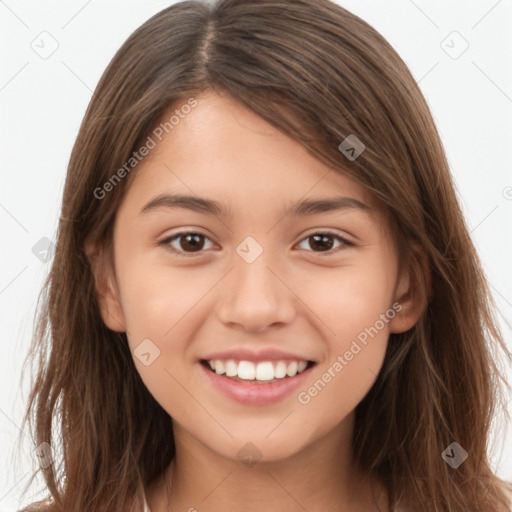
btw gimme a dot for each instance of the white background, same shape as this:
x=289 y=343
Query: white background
x=43 y=102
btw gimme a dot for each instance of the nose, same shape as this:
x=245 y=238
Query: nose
x=254 y=296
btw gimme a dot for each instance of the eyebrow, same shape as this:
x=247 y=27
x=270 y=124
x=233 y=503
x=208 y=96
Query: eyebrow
x=209 y=206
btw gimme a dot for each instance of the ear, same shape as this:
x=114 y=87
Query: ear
x=106 y=287
x=413 y=291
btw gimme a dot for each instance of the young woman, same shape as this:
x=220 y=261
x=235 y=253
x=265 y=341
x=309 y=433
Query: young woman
x=264 y=294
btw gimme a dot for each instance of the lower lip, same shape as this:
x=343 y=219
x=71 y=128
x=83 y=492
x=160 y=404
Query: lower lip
x=255 y=394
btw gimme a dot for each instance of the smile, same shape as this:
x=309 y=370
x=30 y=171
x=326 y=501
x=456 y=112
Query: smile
x=262 y=371
x=255 y=384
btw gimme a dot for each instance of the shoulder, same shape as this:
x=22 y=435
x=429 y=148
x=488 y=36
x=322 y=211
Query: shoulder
x=508 y=492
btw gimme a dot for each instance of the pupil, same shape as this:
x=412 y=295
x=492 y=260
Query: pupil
x=192 y=241
x=321 y=239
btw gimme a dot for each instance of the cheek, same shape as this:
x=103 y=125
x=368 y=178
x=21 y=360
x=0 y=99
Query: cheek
x=348 y=300
x=355 y=308
x=340 y=384
x=163 y=307
x=156 y=298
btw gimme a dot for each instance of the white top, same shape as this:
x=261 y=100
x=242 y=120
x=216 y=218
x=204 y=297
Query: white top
x=146 y=507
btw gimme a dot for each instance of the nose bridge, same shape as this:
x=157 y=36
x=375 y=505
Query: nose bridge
x=252 y=273
x=253 y=295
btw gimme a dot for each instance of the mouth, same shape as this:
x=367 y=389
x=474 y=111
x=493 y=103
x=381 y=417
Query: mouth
x=260 y=373
x=255 y=384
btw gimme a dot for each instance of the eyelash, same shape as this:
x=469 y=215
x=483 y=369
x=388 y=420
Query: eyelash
x=176 y=236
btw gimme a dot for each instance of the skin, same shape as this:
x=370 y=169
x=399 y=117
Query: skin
x=294 y=296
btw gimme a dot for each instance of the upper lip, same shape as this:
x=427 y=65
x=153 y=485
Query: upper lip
x=244 y=354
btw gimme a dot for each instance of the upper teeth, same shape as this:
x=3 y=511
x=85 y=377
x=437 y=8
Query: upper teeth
x=264 y=370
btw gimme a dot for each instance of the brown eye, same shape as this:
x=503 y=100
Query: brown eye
x=186 y=242
x=324 y=242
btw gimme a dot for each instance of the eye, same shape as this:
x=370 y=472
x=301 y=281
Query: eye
x=324 y=241
x=185 y=243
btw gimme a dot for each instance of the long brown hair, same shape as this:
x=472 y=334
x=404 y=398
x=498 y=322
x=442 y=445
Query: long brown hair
x=319 y=74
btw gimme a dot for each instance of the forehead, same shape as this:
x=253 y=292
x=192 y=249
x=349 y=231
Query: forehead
x=224 y=151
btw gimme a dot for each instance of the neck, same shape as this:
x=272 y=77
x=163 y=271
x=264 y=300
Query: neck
x=320 y=477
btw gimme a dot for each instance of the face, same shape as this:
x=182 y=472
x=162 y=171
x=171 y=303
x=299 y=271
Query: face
x=258 y=279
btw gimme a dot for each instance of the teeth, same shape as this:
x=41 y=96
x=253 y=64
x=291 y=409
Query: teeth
x=246 y=370
x=280 y=370
x=231 y=368
x=301 y=366
x=219 y=367
x=292 y=369
x=263 y=371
